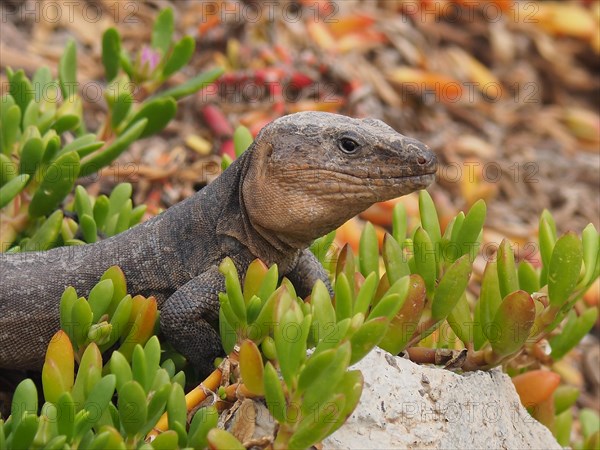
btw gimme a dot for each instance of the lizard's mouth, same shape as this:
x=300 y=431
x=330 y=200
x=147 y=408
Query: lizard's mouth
x=389 y=186
x=403 y=183
x=419 y=172
x=425 y=179
x=362 y=178
x=385 y=178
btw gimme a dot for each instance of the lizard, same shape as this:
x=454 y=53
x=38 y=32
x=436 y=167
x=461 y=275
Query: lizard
x=304 y=175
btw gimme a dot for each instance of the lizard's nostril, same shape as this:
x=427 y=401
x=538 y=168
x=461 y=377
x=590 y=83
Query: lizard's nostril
x=421 y=160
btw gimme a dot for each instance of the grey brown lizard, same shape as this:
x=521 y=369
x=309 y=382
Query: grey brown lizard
x=305 y=175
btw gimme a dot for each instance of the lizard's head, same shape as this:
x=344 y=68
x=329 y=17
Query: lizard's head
x=310 y=172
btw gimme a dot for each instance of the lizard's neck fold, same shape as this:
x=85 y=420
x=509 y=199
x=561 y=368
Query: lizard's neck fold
x=236 y=223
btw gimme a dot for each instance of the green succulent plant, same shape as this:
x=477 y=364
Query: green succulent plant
x=80 y=412
x=519 y=305
x=80 y=409
x=310 y=395
x=296 y=353
x=108 y=316
x=45 y=148
x=402 y=308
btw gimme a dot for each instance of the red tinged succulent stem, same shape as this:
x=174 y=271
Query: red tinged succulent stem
x=192 y=399
x=228 y=148
x=259 y=125
x=300 y=80
x=475 y=360
x=536 y=386
x=276 y=94
x=217 y=121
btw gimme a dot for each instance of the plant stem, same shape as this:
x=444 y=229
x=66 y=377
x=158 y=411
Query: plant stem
x=475 y=360
x=423 y=330
x=192 y=399
x=283 y=437
x=12 y=226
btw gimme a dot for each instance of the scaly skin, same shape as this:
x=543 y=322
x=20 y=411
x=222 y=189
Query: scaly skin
x=294 y=184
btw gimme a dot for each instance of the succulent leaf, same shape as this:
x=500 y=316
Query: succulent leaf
x=180 y=56
x=404 y=324
x=167 y=440
x=219 y=439
x=573 y=332
x=591 y=252
x=274 y=393
x=99 y=398
x=11 y=130
x=157 y=112
x=565 y=396
x=399 y=223
x=242 y=140
x=343 y=297
x=24 y=432
x=321 y=246
x=251 y=367
x=111 y=48
x=192 y=85
x=20 y=89
x=460 y=320
x=528 y=277
x=31 y=155
x=321 y=391
x=469 y=230
x=103 y=158
x=204 y=420
x=66 y=409
x=368 y=336
x=162 y=31
x=396 y=264
x=429 y=220
x=512 y=323
x=535 y=386
x=507 y=271
x=120 y=109
x=255 y=275
x=322 y=310
x=451 y=288
x=564 y=269
x=25 y=401
x=365 y=295
x=234 y=289
x=142 y=320
x=368 y=251
x=314 y=427
x=132 y=406
x=89 y=373
x=67 y=70
x=58 y=181
x=314 y=368
x=424 y=259
x=100 y=298
x=176 y=409
x=12 y=188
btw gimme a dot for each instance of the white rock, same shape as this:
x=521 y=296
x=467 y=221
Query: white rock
x=406 y=406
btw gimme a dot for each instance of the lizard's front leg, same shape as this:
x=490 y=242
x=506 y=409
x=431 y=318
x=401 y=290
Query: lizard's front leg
x=306 y=272
x=190 y=319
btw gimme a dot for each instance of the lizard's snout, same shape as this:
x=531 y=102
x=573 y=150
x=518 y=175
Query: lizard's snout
x=422 y=156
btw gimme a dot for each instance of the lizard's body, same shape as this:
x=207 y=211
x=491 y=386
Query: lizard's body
x=295 y=183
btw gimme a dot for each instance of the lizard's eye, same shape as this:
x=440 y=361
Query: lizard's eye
x=348 y=145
